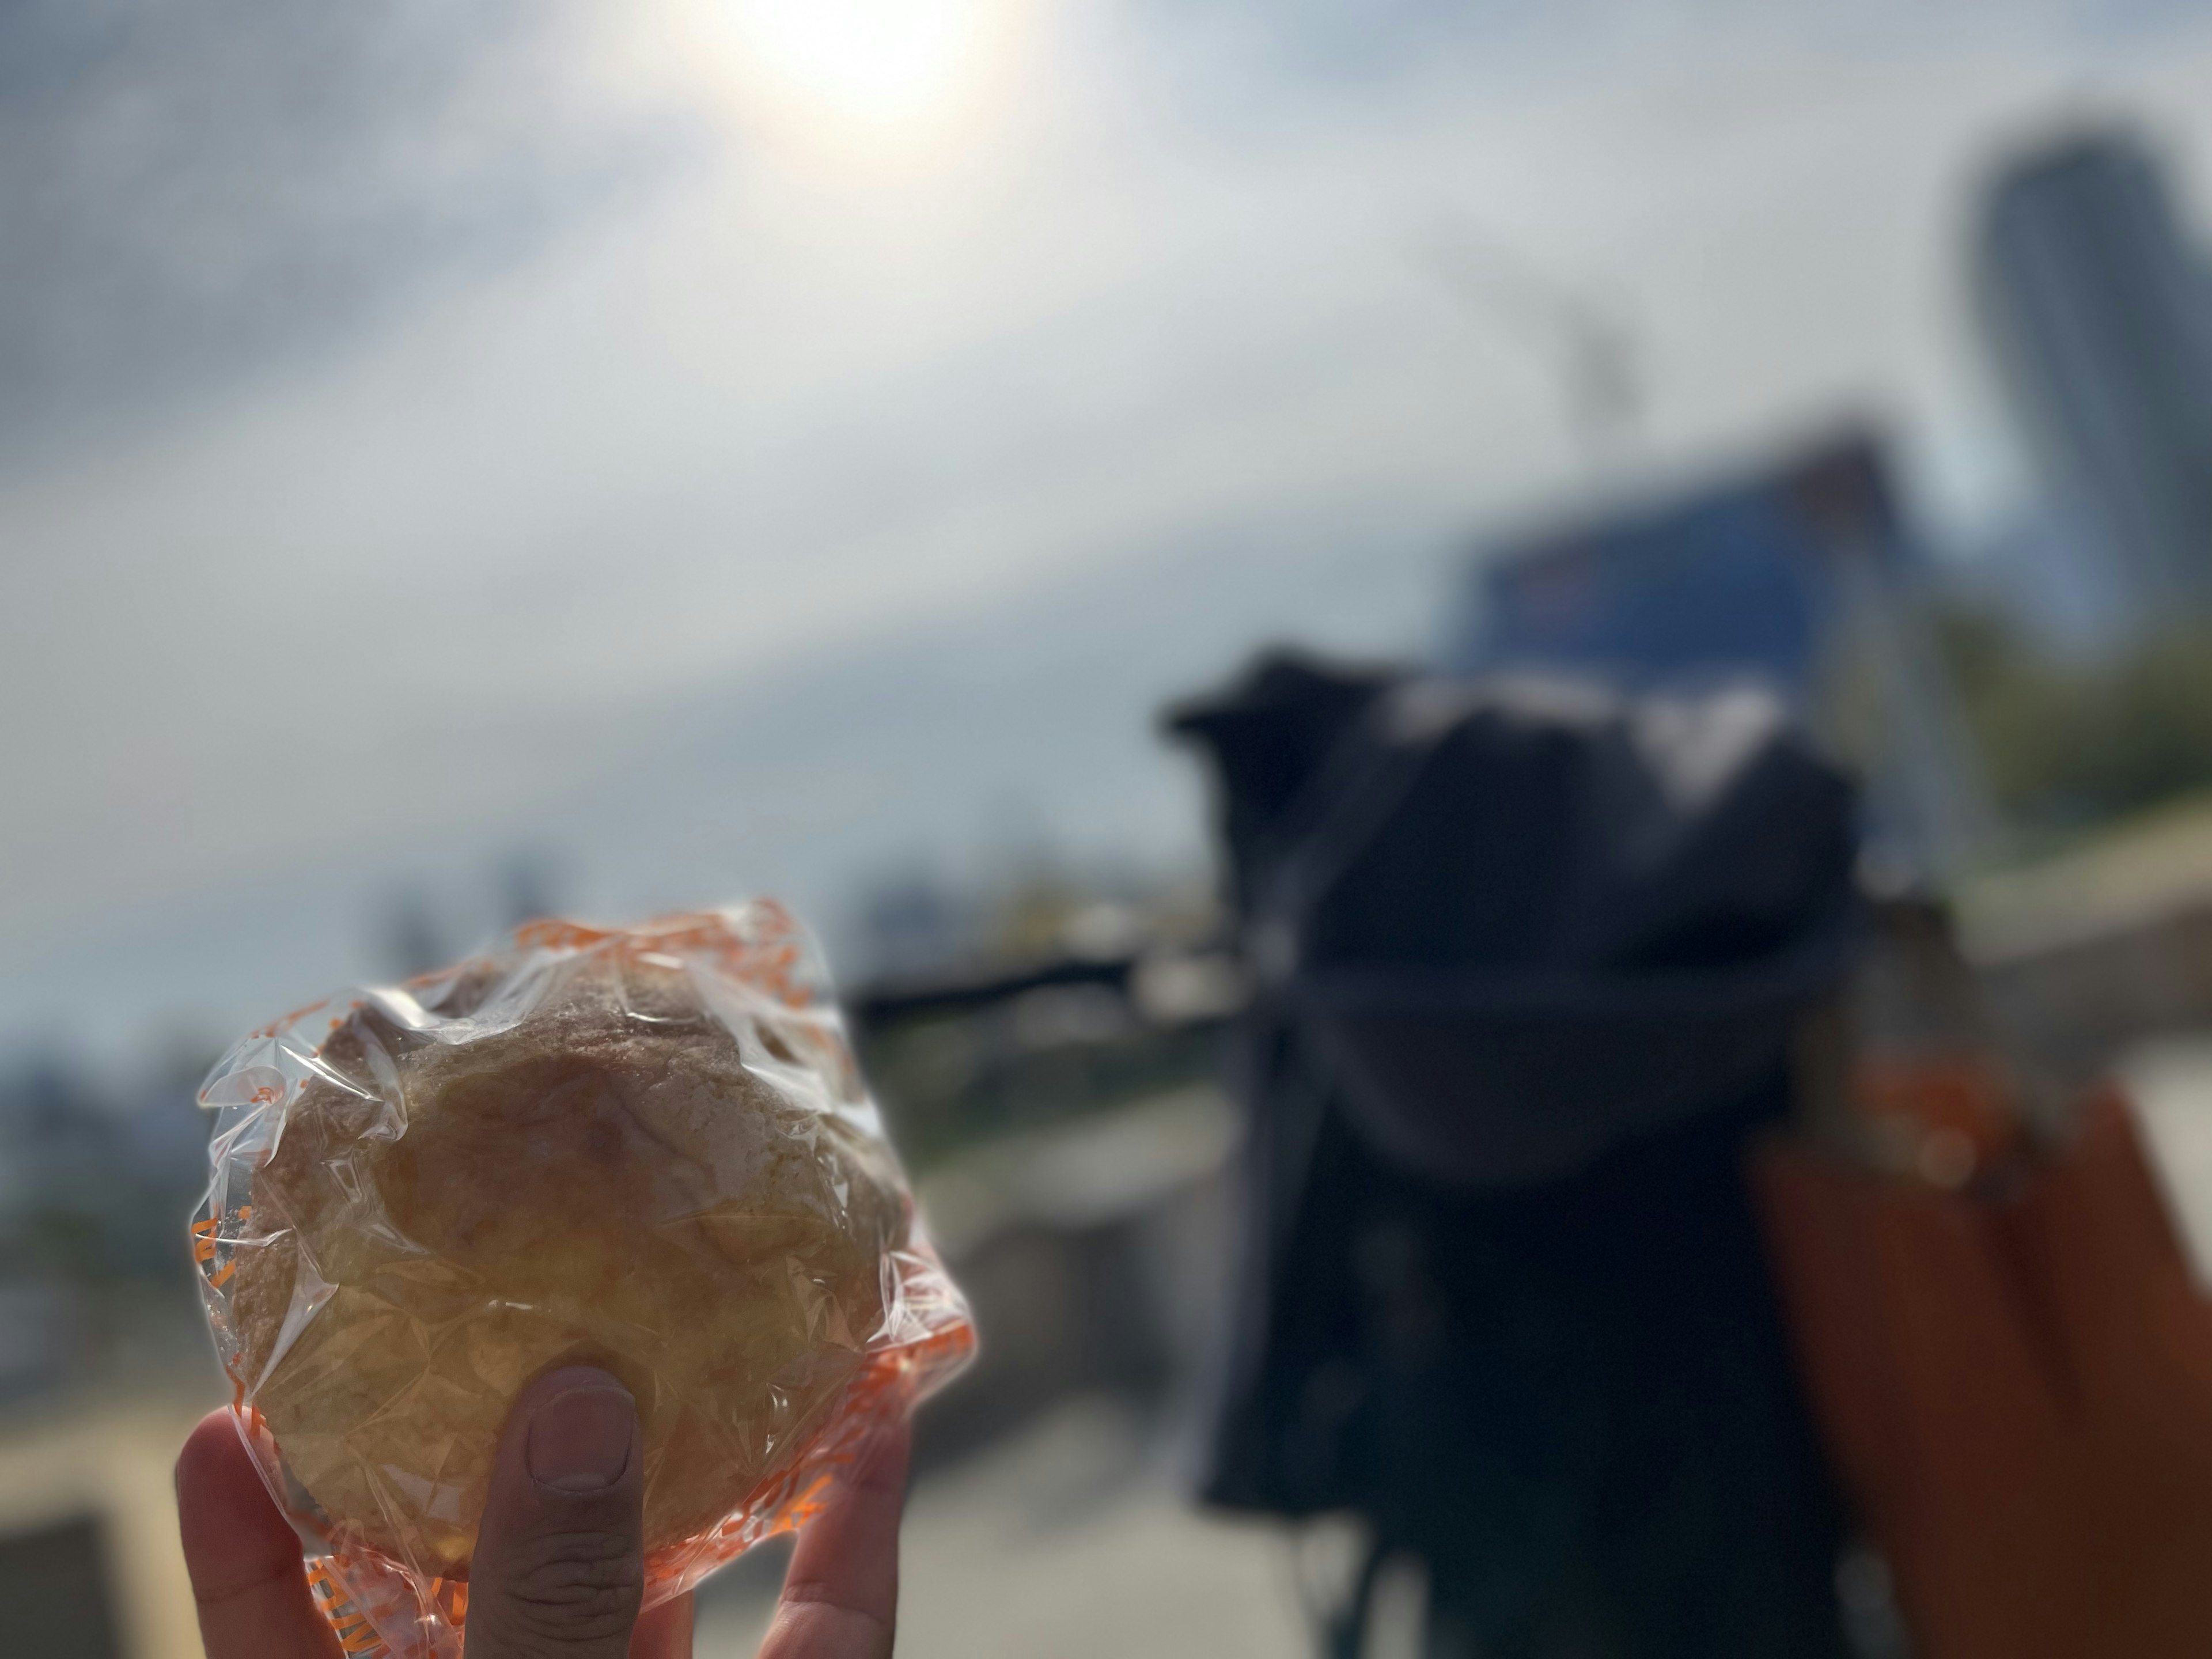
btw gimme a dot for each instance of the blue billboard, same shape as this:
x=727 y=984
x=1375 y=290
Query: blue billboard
x=1749 y=577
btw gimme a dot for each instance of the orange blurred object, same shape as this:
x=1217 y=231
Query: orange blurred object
x=2018 y=1392
x=1949 y=1114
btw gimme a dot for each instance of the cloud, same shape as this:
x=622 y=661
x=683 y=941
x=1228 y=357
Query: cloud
x=195 y=190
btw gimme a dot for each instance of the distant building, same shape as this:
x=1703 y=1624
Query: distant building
x=2100 y=314
x=913 y=922
x=1797 y=574
x=1723 y=580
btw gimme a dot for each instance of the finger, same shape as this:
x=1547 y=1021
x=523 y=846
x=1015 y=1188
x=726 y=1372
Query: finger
x=248 y=1579
x=559 y=1568
x=664 y=1632
x=841 y=1594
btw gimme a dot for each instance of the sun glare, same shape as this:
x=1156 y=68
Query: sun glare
x=858 y=69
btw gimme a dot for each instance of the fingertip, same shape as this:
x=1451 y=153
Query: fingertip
x=883 y=1462
x=664 y=1632
x=234 y=1535
x=215 y=1475
x=841 y=1593
x=243 y=1558
x=582 y=1435
x=548 y=1386
x=572 y=1435
x=212 y=1442
x=559 y=1559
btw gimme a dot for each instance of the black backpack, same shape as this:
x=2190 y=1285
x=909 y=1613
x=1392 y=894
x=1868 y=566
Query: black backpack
x=1526 y=958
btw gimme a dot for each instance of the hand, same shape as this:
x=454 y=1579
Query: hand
x=559 y=1563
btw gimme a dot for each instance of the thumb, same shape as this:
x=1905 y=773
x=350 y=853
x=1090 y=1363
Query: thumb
x=560 y=1561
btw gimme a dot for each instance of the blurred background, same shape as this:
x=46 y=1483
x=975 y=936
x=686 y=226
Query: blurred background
x=462 y=461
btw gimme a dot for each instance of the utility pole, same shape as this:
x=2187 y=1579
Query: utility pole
x=1592 y=347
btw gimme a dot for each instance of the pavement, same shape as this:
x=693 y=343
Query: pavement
x=1069 y=1538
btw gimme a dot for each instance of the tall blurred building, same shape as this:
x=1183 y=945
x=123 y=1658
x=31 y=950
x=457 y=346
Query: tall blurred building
x=2101 y=313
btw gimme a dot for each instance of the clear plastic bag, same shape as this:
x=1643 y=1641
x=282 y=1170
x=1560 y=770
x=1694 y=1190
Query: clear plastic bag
x=647 y=1149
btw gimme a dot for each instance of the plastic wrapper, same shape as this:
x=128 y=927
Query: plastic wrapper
x=649 y=1150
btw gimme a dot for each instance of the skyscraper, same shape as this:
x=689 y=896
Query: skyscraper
x=2101 y=313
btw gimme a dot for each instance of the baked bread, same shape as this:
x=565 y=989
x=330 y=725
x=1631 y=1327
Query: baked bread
x=595 y=1166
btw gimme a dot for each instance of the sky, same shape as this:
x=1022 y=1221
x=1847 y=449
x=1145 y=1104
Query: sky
x=722 y=445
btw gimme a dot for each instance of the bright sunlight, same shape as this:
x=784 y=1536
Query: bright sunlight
x=863 y=70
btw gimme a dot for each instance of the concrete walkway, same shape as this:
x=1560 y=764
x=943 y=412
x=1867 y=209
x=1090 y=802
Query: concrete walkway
x=1071 y=1540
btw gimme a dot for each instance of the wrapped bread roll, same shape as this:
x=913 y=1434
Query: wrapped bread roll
x=644 y=1151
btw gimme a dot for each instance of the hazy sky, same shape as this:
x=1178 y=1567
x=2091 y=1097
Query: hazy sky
x=723 y=445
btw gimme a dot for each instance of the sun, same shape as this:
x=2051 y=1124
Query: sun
x=851 y=70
